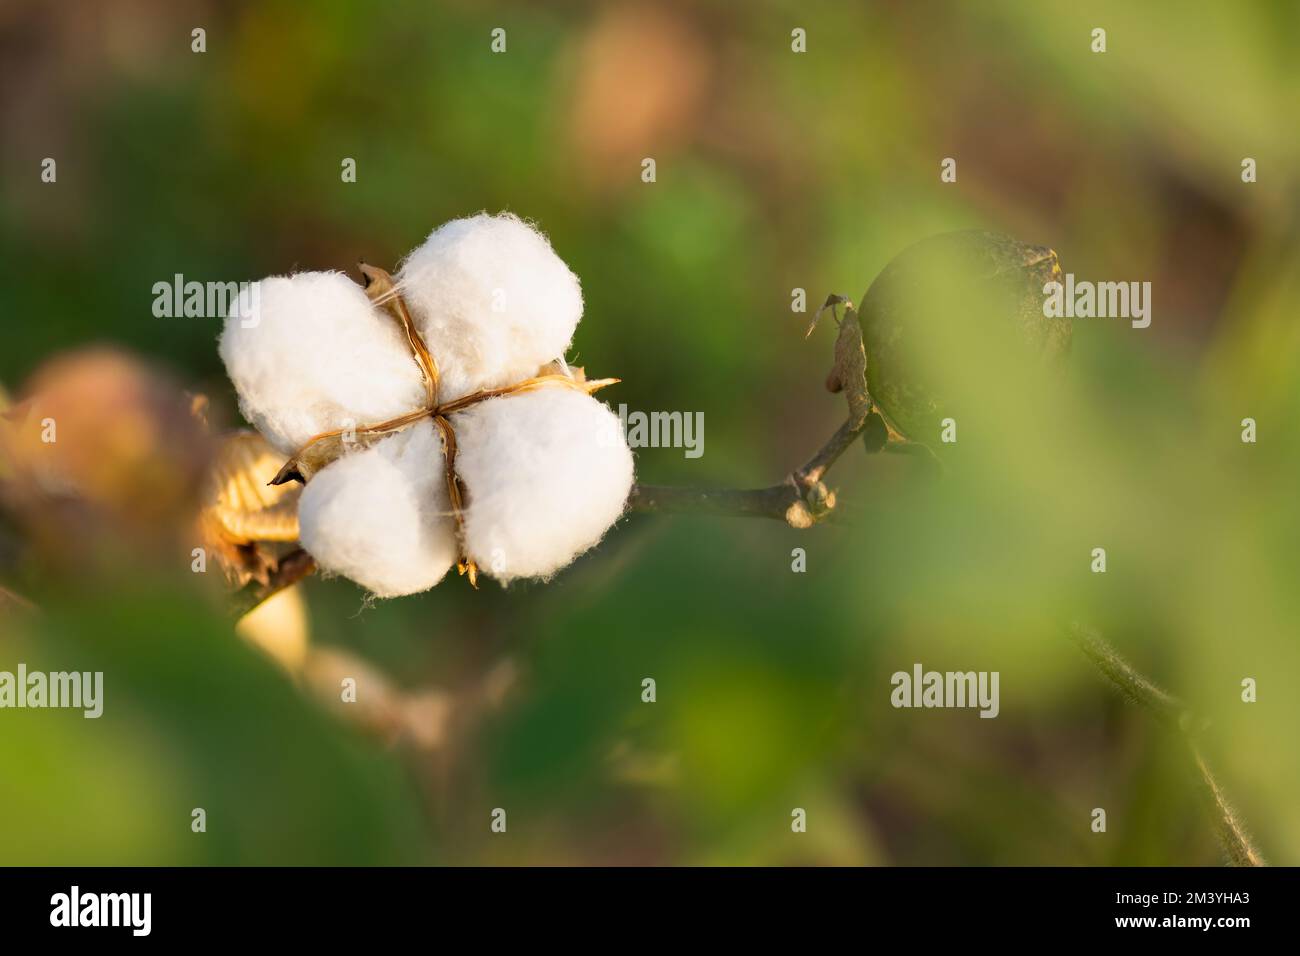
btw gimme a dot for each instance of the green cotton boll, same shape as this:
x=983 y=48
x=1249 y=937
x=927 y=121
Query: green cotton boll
x=953 y=325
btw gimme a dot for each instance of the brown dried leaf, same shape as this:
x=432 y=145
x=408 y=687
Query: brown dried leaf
x=241 y=513
x=239 y=498
x=849 y=373
x=310 y=459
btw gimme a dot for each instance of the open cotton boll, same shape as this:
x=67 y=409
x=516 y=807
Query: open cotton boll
x=547 y=472
x=380 y=516
x=492 y=300
x=313 y=354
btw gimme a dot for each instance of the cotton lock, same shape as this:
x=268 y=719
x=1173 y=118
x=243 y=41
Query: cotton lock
x=492 y=300
x=320 y=356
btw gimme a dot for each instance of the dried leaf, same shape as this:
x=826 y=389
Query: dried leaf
x=831 y=302
x=325 y=448
x=239 y=498
x=310 y=459
x=241 y=512
x=849 y=373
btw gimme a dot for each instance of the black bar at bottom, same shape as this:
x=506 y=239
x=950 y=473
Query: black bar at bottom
x=439 y=905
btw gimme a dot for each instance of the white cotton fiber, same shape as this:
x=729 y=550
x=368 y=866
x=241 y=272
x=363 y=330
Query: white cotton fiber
x=315 y=355
x=380 y=516
x=492 y=300
x=547 y=472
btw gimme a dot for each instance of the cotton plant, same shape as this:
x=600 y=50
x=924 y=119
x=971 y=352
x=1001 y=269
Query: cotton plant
x=431 y=414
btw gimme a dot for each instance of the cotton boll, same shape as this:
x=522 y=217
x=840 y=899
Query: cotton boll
x=313 y=354
x=492 y=300
x=380 y=516
x=547 y=472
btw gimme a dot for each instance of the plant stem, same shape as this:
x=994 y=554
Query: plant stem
x=1229 y=827
x=800 y=500
x=771 y=502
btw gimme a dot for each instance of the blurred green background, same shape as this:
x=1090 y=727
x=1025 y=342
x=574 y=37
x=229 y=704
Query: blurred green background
x=775 y=170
